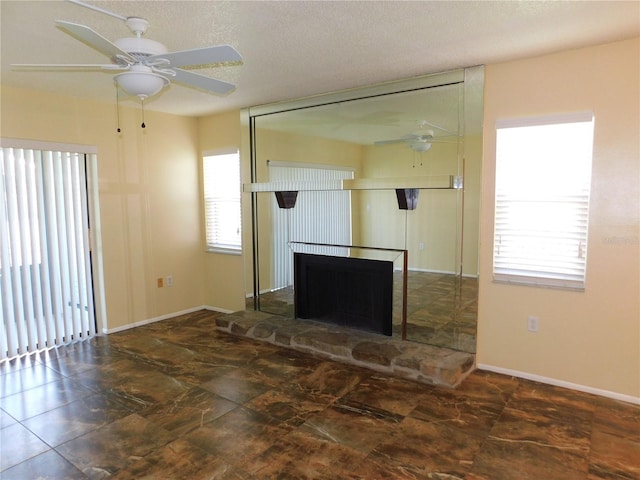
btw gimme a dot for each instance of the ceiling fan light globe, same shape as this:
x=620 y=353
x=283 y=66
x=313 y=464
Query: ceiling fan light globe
x=420 y=146
x=141 y=84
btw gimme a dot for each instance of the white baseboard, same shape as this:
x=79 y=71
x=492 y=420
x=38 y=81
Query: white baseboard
x=265 y=291
x=162 y=317
x=440 y=272
x=561 y=383
x=218 y=309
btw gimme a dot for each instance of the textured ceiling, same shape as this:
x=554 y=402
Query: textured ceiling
x=303 y=48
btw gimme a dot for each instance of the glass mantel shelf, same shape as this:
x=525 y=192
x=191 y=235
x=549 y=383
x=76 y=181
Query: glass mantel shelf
x=425 y=182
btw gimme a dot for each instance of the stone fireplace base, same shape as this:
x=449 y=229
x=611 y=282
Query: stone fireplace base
x=415 y=361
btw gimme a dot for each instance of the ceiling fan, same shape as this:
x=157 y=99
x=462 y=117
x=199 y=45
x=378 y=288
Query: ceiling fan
x=421 y=140
x=147 y=66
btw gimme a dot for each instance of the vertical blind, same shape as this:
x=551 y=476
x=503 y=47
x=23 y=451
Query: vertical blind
x=543 y=179
x=45 y=277
x=318 y=217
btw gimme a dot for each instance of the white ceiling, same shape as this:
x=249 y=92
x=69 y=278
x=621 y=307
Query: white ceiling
x=294 y=49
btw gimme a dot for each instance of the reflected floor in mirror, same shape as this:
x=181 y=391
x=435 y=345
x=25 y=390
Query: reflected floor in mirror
x=441 y=309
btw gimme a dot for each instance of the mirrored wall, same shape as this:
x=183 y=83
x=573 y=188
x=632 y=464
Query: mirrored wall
x=385 y=173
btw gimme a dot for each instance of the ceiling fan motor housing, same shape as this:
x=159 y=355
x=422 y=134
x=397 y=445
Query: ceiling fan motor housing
x=139 y=48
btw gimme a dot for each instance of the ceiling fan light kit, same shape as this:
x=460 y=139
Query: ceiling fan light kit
x=419 y=146
x=141 y=81
x=421 y=141
x=147 y=64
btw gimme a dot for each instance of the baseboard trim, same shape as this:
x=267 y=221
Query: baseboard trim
x=218 y=309
x=560 y=383
x=129 y=326
x=441 y=272
x=263 y=292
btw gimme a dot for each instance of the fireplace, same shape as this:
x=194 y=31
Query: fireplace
x=352 y=292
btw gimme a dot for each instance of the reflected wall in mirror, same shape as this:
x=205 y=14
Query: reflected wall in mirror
x=389 y=135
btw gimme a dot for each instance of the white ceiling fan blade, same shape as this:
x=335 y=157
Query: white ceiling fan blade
x=424 y=123
x=98 y=9
x=199 y=56
x=411 y=140
x=67 y=66
x=445 y=139
x=396 y=140
x=200 y=81
x=95 y=40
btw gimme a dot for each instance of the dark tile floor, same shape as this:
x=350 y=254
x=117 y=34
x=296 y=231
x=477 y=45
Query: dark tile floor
x=179 y=400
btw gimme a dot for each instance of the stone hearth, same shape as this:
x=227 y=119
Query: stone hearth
x=415 y=361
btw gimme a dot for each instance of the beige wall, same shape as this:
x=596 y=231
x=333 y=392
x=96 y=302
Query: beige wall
x=152 y=215
x=589 y=338
x=224 y=285
x=150 y=210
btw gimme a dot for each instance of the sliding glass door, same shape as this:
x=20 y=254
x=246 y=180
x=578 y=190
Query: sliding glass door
x=46 y=290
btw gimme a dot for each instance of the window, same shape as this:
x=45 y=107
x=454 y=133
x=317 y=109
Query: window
x=223 y=222
x=543 y=177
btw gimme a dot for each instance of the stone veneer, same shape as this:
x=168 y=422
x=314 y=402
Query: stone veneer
x=415 y=361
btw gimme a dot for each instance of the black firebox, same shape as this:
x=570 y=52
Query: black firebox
x=353 y=292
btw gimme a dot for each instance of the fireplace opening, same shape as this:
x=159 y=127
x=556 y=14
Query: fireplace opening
x=352 y=292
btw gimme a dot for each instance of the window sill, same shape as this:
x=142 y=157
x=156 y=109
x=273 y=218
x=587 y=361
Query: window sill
x=225 y=251
x=551 y=284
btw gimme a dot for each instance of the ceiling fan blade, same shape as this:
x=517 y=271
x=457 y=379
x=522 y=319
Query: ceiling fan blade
x=199 y=56
x=95 y=40
x=202 y=82
x=68 y=66
x=424 y=123
x=445 y=139
x=98 y=9
x=389 y=142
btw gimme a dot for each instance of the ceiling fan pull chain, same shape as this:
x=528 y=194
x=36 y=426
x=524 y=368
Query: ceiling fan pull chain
x=142 y=103
x=117 y=108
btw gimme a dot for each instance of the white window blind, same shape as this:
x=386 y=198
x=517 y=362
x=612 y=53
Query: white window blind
x=543 y=178
x=223 y=220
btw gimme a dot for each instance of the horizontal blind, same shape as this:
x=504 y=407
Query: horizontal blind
x=223 y=220
x=543 y=177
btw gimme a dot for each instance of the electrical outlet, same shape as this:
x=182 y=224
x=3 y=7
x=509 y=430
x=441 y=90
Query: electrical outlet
x=533 y=323
x=169 y=280
x=421 y=246
x=160 y=282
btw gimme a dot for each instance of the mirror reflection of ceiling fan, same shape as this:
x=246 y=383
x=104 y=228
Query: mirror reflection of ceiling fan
x=147 y=66
x=422 y=139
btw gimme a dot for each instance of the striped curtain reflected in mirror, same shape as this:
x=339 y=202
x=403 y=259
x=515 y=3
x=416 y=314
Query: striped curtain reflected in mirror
x=318 y=217
x=45 y=267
